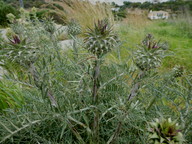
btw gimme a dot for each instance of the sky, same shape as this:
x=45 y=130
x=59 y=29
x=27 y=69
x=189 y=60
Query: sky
x=120 y=2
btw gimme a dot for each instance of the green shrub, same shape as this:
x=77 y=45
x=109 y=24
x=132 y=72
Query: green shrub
x=4 y=10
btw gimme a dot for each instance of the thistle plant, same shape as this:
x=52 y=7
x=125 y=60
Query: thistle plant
x=99 y=41
x=149 y=56
x=178 y=71
x=150 y=53
x=165 y=131
x=74 y=28
x=28 y=45
x=20 y=51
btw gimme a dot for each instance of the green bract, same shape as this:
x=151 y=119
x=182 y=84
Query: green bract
x=101 y=39
x=165 y=131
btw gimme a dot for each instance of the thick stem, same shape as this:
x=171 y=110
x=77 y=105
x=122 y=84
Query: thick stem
x=96 y=81
x=96 y=127
x=95 y=100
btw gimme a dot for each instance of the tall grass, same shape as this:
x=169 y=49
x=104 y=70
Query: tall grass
x=184 y=24
x=86 y=12
x=11 y=95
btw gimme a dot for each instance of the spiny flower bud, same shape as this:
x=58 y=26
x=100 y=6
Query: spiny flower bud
x=15 y=40
x=74 y=28
x=150 y=53
x=165 y=131
x=100 y=39
x=178 y=71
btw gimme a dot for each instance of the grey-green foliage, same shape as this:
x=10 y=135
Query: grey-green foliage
x=26 y=41
x=72 y=123
x=150 y=53
x=32 y=47
x=37 y=122
x=120 y=121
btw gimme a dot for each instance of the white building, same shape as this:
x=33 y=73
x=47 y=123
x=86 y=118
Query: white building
x=158 y=15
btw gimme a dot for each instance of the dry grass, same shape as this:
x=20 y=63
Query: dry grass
x=85 y=12
x=138 y=21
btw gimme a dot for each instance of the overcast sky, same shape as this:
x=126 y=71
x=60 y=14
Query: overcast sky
x=120 y=2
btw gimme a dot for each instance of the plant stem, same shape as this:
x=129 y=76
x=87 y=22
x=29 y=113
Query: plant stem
x=136 y=86
x=95 y=100
x=96 y=81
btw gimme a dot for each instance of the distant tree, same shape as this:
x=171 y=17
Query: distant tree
x=146 y=5
x=114 y=4
x=4 y=10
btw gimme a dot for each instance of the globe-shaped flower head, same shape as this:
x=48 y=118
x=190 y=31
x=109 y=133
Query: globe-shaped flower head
x=150 y=53
x=74 y=28
x=165 y=131
x=101 y=39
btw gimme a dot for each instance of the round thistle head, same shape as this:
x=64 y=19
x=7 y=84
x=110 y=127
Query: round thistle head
x=74 y=28
x=165 y=131
x=101 y=39
x=178 y=71
x=150 y=53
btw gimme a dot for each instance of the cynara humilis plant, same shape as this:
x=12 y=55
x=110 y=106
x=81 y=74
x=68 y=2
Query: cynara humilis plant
x=149 y=56
x=99 y=40
x=28 y=40
x=178 y=71
x=165 y=131
x=74 y=29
